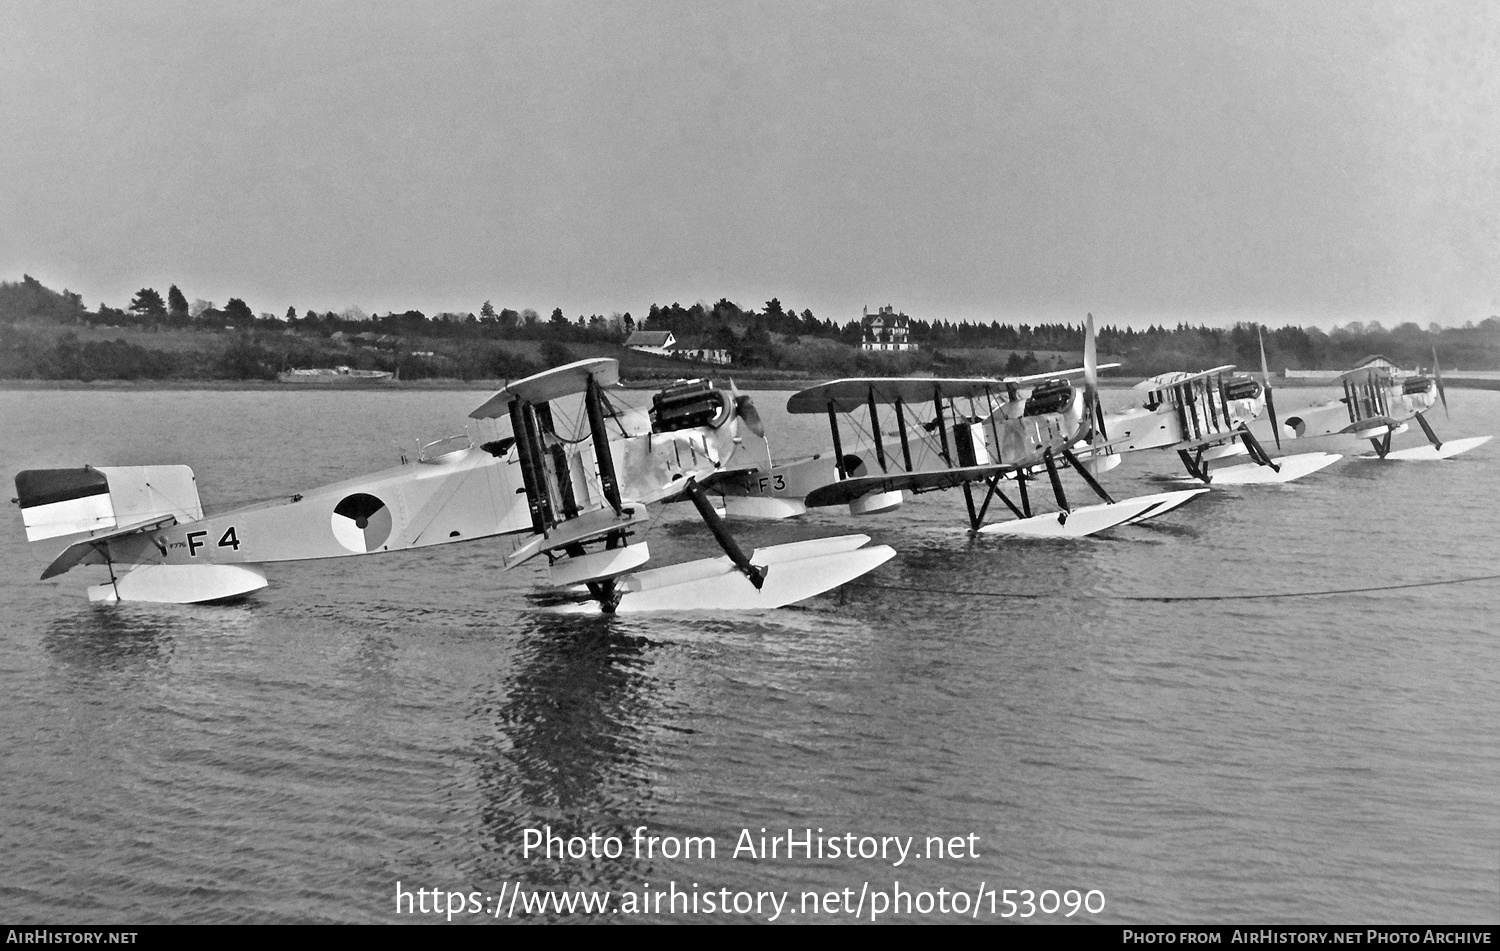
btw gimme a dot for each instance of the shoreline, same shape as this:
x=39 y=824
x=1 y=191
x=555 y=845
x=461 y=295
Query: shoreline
x=748 y=384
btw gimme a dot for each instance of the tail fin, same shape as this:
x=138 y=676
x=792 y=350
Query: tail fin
x=68 y=501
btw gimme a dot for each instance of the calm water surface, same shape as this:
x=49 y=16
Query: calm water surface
x=406 y=717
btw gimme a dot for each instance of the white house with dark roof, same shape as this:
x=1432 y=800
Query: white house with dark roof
x=886 y=330
x=652 y=341
x=664 y=343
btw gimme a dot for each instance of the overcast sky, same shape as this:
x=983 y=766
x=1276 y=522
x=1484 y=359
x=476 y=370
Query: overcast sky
x=1303 y=162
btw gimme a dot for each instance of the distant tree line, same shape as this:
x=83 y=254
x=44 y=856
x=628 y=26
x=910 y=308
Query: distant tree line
x=39 y=338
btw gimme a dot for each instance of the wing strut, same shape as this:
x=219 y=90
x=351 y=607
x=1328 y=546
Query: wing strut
x=838 y=444
x=608 y=480
x=905 y=444
x=875 y=428
x=942 y=425
x=548 y=431
x=995 y=441
x=528 y=450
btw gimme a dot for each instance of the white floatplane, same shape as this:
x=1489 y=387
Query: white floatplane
x=1378 y=403
x=574 y=493
x=952 y=433
x=1206 y=418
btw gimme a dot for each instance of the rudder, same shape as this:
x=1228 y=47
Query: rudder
x=68 y=501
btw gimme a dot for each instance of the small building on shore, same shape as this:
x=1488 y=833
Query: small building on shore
x=664 y=343
x=1375 y=360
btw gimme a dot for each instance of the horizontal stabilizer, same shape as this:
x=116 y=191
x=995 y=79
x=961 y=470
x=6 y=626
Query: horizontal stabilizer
x=91 y=551
x=68 y=501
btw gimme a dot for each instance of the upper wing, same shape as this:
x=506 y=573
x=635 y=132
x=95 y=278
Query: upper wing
x=1072 y=374
x=550 y=385
x=1178 y=377
x=845 y=396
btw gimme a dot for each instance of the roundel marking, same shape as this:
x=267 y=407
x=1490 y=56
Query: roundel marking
x=361 y=522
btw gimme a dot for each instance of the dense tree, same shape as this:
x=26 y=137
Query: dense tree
x=31 y=300
x=238 y=310
x=177 y=305
x=148 y=304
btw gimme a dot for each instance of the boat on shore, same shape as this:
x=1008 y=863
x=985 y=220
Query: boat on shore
x=327 y=375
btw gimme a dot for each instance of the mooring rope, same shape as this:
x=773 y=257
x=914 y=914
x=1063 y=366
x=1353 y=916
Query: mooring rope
x=1168 y=599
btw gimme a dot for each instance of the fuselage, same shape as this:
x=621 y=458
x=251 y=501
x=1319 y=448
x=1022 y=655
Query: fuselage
x=1376 y=401
x=460 y=493
x=1183 y=408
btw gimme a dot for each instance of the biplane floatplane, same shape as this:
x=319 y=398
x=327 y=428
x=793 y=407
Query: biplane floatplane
x=951 y=433
x=1206 y=418
x=1378 y=402
x=572 y=489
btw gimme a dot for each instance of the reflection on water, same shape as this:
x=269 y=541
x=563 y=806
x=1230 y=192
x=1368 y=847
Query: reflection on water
x=568 y=730
x=103 y=638
x=111 y=637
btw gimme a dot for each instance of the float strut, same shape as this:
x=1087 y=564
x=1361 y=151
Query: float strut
x=755 y=573
x=1257 y=451
x=993 y=482
x=1087 y=476
x=1057 y=486
x=1427 y=428
x=605 y=593
x=1195 y=466
x=995 y=488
